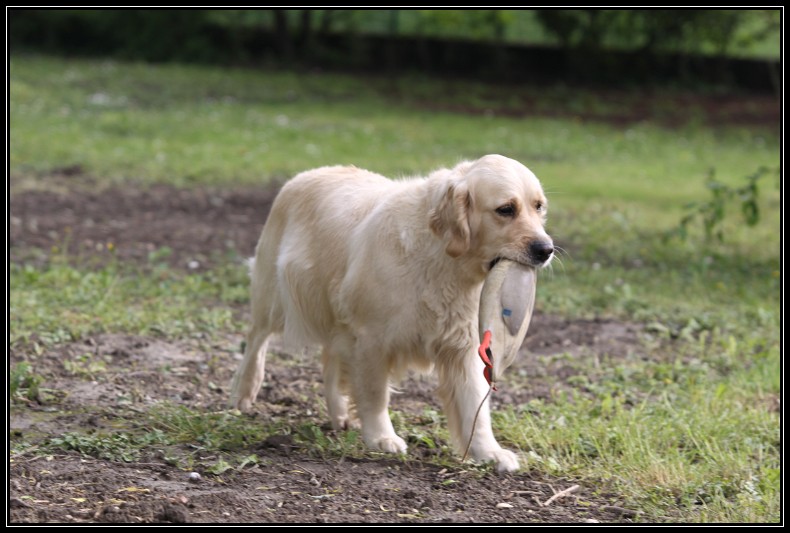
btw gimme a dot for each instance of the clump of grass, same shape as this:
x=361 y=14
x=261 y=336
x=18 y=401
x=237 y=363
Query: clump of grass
x=23 y=382
x=122 y=446
x=86 y=366
x=325 y=444
x=212 y=431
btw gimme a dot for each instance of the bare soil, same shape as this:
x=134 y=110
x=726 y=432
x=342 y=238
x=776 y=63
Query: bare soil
x=202 y=228
x=627 y=107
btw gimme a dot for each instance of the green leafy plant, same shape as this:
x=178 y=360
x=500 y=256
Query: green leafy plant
x=114 y=447
x=85 y=366
x=329 y=444
x=713 y=211
x=214 y=431
x=23 y=383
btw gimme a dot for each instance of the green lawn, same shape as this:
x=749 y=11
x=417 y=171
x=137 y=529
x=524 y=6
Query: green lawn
x=671 y=429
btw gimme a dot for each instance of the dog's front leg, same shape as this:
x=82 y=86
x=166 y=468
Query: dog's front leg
x=462 y=388
x=370 y=389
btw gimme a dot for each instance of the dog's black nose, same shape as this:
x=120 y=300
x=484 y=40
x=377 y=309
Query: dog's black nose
x=541 y=250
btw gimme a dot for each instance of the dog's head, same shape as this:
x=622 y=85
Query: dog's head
x=491 y=209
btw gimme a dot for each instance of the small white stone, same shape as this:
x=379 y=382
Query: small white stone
x=194 y=477
x=504 y=505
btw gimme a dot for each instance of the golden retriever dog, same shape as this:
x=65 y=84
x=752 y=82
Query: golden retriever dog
x=386 y=276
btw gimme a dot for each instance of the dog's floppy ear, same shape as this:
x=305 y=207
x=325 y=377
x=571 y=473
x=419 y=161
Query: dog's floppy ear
x=450 y=218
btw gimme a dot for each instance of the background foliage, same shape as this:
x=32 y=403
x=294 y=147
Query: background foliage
x=589 y=45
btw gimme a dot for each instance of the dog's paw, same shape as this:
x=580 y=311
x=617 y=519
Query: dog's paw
x=343 y=423
x=505 y=460
x=393 y=444
x=242 y=404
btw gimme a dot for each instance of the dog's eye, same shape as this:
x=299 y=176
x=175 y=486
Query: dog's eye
x=539 y=206
x=507 y=210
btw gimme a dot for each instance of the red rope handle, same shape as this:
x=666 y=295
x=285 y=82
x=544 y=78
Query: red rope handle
x=484 y=351
x=485 y=348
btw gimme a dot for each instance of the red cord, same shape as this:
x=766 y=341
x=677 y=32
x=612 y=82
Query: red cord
x=484 y=351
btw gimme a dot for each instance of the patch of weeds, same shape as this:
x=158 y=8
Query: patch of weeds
x=55 y=336
x=124 y=446
x=422 y=439
x=224 y=464
x=19 y=447
x=428 y=438
x=712 y=212
x=23 y=383
x=213 y=431
x=249 y=460
x=329 y=444
x=85 y=366
x=219 y=467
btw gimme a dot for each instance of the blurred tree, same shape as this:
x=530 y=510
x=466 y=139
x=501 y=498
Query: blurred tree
x=282 y=34
x=759 y=26
x=479 y=24
x=657 y=30
x=148 y=34
x=603 y=45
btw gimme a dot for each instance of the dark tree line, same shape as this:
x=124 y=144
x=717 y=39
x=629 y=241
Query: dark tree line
x=583 y=44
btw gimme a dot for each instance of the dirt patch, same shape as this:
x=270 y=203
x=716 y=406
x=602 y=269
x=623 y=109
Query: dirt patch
x=118 y=371
x=69 y=489
x=187 y=228
x=106 y=382
x=287 y=484
x=626 y=108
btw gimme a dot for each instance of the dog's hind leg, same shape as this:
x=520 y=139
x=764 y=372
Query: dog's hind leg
x=249 y=376
x=334 y=391
x=267 y=318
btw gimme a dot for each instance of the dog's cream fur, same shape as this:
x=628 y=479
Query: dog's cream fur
x=386 y=276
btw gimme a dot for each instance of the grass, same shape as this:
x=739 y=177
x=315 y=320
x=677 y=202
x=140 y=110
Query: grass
x=23 y=383
x=111 y=446
x=682 y=425
x=62 y=302
x=690 y=438
x=156 y=123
